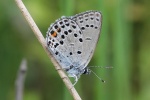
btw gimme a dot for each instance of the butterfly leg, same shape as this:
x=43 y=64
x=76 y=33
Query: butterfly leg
x=76 y=79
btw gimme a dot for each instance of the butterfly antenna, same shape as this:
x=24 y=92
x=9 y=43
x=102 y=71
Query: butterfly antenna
x=97 y=76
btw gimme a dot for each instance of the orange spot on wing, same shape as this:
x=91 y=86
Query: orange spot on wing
x=54 y=34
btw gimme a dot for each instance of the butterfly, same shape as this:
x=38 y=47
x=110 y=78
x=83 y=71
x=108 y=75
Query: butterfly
x=72 y=41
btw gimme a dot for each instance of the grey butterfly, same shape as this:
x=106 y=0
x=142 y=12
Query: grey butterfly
x=72 y=41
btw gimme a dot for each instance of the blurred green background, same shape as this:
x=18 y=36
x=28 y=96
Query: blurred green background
x=124 y=44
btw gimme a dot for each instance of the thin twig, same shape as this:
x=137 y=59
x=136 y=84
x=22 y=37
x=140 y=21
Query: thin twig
x=20 y=80
x=42 y=41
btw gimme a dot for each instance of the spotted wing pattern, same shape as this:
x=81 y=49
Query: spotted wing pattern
x=72 y=41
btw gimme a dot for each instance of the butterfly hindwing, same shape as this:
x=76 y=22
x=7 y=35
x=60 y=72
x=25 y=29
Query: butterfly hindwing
x=90 y=25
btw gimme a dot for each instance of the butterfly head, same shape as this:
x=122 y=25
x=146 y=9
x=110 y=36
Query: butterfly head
x=87 y=70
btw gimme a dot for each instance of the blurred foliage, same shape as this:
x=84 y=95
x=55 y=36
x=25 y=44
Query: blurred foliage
x=123 y=45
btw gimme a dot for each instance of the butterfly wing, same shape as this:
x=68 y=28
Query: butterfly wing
x=72 y=41
x=64 y=41
x=90 y=25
